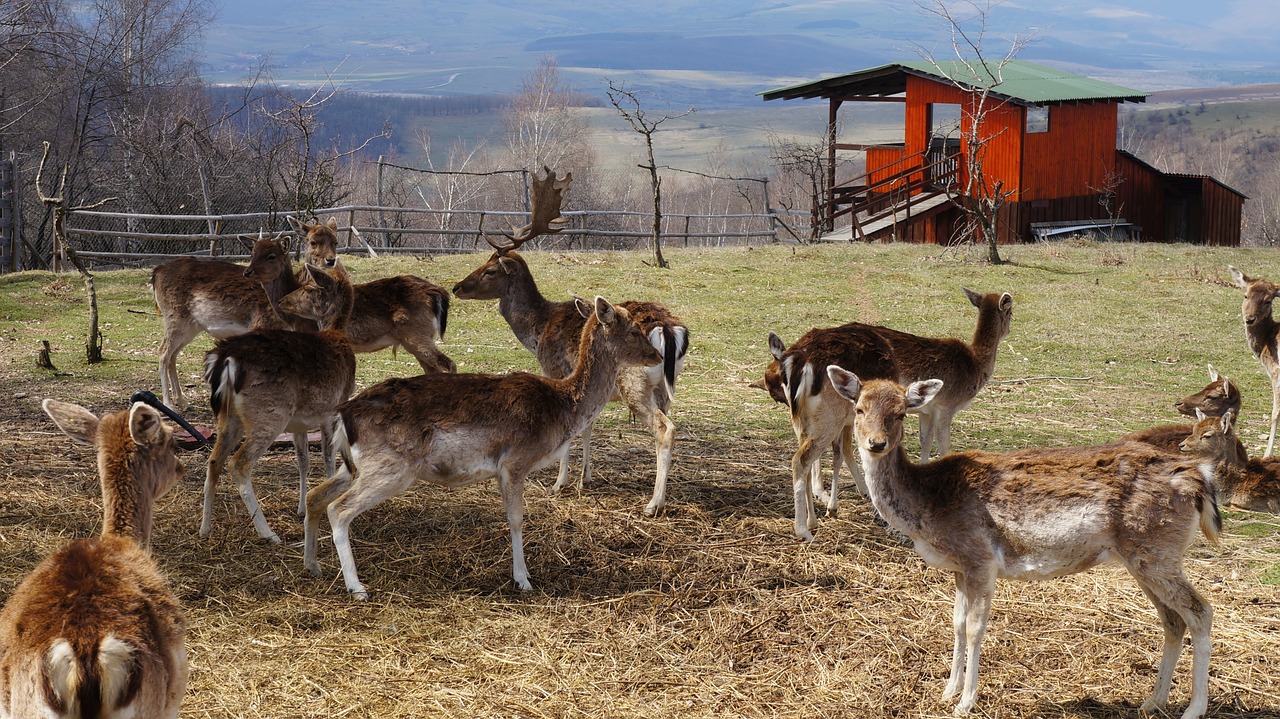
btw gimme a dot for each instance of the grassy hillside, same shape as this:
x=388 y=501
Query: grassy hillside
x=713 y=609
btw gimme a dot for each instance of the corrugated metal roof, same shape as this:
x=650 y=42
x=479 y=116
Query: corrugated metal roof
x=1021 y=82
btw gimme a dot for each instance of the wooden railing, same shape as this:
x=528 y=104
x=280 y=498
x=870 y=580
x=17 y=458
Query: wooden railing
x=879 y=195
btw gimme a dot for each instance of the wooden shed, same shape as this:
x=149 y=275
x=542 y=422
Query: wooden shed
x=1047 y=140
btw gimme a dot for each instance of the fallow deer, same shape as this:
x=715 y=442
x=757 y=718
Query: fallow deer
x=266 y=382
x=876 y=350
x=401 y=311
x=221 y=298
x=1261 y=330
x=456 y=429
x=95 y=630
x=551 y=330
x=1217 y=398
x=1242 y=482
x=1039 y=514
x=820 y=417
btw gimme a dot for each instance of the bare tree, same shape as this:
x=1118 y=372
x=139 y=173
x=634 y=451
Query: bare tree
x=977 y=73
x=542 y=126
x=802 y=167
x=627 y=103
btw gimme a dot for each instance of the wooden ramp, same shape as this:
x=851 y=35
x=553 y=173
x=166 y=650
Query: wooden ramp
x=919 y=208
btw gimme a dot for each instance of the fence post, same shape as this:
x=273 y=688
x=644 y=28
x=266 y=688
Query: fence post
x=8 y=224
x=382 y=215
x=773 y=218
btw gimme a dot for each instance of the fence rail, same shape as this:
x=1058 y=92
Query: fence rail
x=126 y=239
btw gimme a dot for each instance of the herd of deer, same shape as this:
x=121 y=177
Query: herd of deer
x=95 y=630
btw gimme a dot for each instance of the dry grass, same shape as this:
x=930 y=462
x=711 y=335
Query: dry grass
x=714 y=609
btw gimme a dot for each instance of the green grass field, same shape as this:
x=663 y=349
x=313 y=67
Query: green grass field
x=713 y=609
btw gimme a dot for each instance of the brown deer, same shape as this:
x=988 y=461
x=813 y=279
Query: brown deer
x=95 y=630
x=1243 y=483
x=266 y=382
x=551 y=330
x=456 y=429
x=221 y=298
x=1260 y=330
x=402 y=311
x=1217 y=398
x=820 y=417
x=1039 y=514
x=874 y=350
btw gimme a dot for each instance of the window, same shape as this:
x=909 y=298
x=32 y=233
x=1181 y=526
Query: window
x=1037 y=119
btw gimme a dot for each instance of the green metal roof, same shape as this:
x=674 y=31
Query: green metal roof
x=1022 y=82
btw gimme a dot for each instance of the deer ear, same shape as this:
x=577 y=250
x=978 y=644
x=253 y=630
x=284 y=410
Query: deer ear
x=144 y=425
x=75 y=421
x=1200 y=415
x=604 y=311
x=332 y=223
x=921 y=393
x=975 y=298
x=295 y=223
x=1240 y=278
x=1228 y=420
x=247 y=241
x=507 y=264
x=776 y=347
x=1213 y=374
x=845 y=383
x=1006 y=302
x=584 y=308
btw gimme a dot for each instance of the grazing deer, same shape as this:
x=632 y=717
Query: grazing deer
x=221 y=298
x=819 y=416
x=551 y=330
x=266 y=382
x=1261 y=330
x=402 y=311
x=1217 y=398
x=1039 y=514
x=1243 y=483
x=456 y=429
x=95 y=630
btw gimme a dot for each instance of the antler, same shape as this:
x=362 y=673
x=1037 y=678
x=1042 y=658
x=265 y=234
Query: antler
x=548 y=194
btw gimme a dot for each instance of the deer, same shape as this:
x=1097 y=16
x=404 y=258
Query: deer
x=1242 y=482
x=820 y=417
x=1038 y=514
x=457 y=429
x=401 y=311
x=1260 y=331
x=1217 y=398
x=222 y=298
x=874 y=350
x=95 y=630
x=551 y=330
x=266 y=382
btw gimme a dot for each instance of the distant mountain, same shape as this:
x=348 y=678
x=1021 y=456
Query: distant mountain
x=720 y=52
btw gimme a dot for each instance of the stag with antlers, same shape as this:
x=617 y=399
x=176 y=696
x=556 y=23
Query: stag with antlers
x=551 y=331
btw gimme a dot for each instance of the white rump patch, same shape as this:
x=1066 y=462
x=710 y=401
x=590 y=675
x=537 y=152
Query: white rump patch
x=115 y=660
x=63 y=672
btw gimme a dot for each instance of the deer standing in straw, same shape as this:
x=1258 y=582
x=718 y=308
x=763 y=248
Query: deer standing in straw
x=1261 y=330
x=876 y=352
x=401 y=311
x=1039 y=514
x=95 y=630
x=457 y=429
x=221 y=298
x=551 y=330
x=270 y=381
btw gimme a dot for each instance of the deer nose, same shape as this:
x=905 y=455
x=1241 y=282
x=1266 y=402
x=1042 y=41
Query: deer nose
x=331 y=262
x=877 y=445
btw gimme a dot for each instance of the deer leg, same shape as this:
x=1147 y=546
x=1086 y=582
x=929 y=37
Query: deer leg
x=978 y=587
x=511 y=486
x=370 y=487
x=431 y=358
x=942 y=432
x=1275 y=415
x=801 y=467
x=318 y=500
x=584 y=477
x=304 y=469
x=229 y=433
x=851 y=459
x=1181 y=609
x=255 y=445
x=664 y=433
x=926 y=435
x=174 y=339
